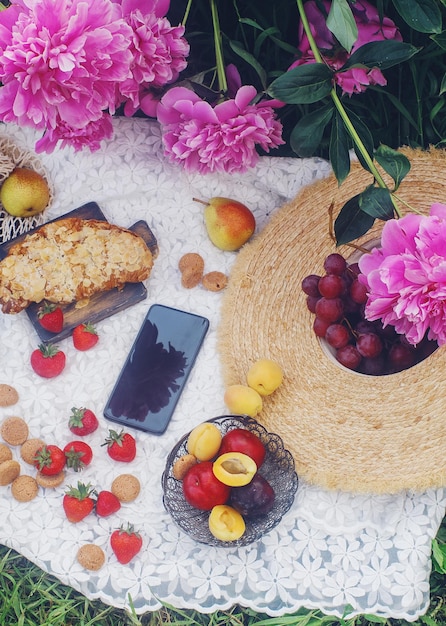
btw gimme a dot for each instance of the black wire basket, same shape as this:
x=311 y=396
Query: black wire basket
x=277 y=468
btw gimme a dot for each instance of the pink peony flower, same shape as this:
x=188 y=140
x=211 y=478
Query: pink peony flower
x=406 y=276
x=159 y=51
x=89 y=136
x=370 y=28
x=61 y=60
x=222 y=138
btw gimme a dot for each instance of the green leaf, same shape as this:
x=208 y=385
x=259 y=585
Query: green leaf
x=270 y=33
x=440 y=39
x=304 y=84
x=338 y=149
x=381 y=54
x=396 y=164
x=250 y=59
x=439 y=556
x=341 y=23
x=365 y=135
x=377 y=202
x=351 y=222
x=423 y=16
x=443 y=85
x=375 y=619
x=307 y=134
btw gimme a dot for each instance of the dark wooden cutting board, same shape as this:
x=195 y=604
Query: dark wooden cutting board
x=101 y=305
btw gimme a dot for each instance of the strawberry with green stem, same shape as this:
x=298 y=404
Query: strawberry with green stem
x=50 y=317
x=82 y=421
x=49 y=460
x=78 y=455
x=85 y=336
x=48 y=361
x=121 y=446
x=78 y=502
x=126 y=543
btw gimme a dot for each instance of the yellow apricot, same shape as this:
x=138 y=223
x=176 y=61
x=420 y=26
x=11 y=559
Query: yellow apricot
x=265 y=376
x=225 y=523
x=204 y=441
x=234 y=469
x=243 y=400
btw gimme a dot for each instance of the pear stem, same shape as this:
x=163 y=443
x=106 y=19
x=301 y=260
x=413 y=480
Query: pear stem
x=200 y=201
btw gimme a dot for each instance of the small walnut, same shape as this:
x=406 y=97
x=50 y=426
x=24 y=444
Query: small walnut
x=214 y=281
x=183 y=465
x=191 y=266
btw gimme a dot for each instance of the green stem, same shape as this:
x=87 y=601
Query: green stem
x=221 y=74
x=186 y=13
x=368 y=159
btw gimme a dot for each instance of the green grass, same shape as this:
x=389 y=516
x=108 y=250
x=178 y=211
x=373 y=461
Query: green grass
x=31 y=597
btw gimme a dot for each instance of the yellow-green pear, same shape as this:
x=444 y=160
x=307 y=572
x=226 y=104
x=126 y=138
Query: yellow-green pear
x=24 y=193
x=229 y=223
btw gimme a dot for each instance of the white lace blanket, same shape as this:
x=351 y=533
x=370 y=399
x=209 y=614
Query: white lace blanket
x=333 y=551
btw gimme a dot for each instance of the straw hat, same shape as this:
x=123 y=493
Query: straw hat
x=346 y=431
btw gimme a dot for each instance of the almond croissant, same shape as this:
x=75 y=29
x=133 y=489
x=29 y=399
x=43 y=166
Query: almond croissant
x=69 y=260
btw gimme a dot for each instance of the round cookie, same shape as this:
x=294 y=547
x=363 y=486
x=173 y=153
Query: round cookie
x=24 y=488
x=14 y=430
x=9 y=470
x=5 y=453
x=91 y=556
x=8 y=395
x=29 y=449
x=50 y=482
x=126 y=487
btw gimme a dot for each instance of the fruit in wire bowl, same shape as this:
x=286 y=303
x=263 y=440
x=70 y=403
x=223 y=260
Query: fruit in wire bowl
x=277 y=471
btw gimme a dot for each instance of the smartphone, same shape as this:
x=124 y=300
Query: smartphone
x=157 y=368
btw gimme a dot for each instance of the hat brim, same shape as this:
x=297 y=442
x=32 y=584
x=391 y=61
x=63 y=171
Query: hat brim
x=346 y=431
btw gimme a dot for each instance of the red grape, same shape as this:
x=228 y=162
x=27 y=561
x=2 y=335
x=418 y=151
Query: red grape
x=311 y=303
x=358 y=292
x=310 y=285
x=401 y=357
x=374 y=366
x=369 y=345
x=331 y=286
x=320 y=327
x=329 y=309
x=337 y=335
x=335 y=264
x=349 y=356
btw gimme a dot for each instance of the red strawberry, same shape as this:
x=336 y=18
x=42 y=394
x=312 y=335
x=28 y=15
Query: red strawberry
x=125 y=543
x=77 y=502
x=78 y=455
x=50 y=317
x=121 y=446
x=85 y=336
x=49 y=460
x=82 y=422
x=48 y=361
x=107 y=503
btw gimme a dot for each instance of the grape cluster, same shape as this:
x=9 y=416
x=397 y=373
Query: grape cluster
x=338 y=300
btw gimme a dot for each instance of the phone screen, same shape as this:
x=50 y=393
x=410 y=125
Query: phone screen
x=156 y=369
